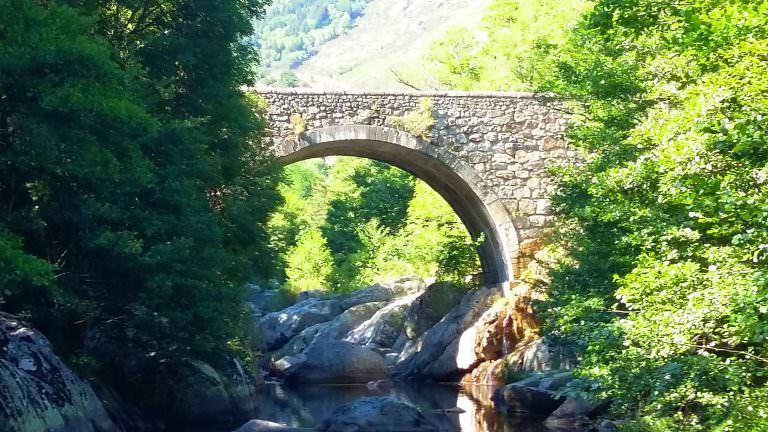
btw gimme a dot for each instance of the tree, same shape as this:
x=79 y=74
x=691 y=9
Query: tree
x=132 y=167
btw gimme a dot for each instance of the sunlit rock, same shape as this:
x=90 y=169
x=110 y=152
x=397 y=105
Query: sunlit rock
x=37 y=391
x=338 y=362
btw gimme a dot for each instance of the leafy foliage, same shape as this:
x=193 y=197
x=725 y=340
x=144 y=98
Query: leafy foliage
x=517 y=45
x=133 y=181
x=663 y=287
x=375 y=221
x=666 y=223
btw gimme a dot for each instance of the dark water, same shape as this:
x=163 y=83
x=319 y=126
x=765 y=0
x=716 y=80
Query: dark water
x=307 y=405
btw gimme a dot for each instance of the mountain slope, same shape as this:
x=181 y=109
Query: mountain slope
x=392 y=34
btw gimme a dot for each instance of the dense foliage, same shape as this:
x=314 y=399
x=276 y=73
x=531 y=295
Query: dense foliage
x=132 y=182
x=353 y=222
x=663 y=288
x=293 y=30
x=517 y=44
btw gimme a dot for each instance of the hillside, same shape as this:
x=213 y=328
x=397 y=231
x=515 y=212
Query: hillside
x=392 y=34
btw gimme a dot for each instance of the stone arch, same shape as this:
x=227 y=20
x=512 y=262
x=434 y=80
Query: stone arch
x=479 y=208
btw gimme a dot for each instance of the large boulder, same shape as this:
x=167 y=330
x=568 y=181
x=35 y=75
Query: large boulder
x=379 y=414
x=277 y=328
x=521 y=400
x=335 y=329
x=160 y=380
x=385 y=291
x=383 y=328
x=37 y=391
x=437 y=300
x=448 y=348
x=337 y=362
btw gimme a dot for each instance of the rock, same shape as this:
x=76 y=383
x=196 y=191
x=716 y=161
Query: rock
x=338 y=362
x=195 y=393
x=575 y=406
x=531 y=402
x=265 y=301
x=335 y=329
x=608 y=426
x=277 y=328
x=383 y=328
x=379 y=414
x=448 y=348
x=555 y=381
x=125 y=416
x=438 y=299
x=37 y=391
x=179 y=389
x=373 y=293
x=266 y=426
x=385 y=291
x=406 y=286
x=310 y=294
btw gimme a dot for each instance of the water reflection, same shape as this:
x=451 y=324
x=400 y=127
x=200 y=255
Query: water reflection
x=307 y=405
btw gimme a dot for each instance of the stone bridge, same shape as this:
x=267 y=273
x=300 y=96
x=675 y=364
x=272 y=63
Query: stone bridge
x=486 y=154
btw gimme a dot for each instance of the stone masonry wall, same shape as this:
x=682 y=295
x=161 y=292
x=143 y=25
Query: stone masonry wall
x=508 y=139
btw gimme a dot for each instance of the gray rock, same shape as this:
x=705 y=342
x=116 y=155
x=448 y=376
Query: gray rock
x=373 y=293
x=384 y=327
x=380 y=414
x=265 y=301
x=277 y=328
x=533 y=403
x=438 y=353
x=266 y=426
x=385 y=291
x=335 y=329
x=338 y=362
x=438 y=299
x=37 y=391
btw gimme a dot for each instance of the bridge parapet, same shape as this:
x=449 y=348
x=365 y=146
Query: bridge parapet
x=499 y=144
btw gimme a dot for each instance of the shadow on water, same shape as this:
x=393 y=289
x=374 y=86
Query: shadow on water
x=307 y=405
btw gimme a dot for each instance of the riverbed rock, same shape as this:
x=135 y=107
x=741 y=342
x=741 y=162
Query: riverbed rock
x=448 y=348
x=335 y=329
x=277 y=328
x=37 y=391
x=438 y=299
x=383 y=328
x=380 y=414
x=385 y=291
x=338 y=362
x=521 y=400
x=257 y=425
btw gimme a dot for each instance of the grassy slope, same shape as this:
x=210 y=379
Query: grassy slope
x=392 y=34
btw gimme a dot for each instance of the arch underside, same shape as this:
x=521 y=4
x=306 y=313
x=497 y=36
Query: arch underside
x=386 y=145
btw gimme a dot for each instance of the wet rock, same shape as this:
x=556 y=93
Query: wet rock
x=533 y=403
x=277 y=328
x=338 y=362
x=379 y=414
x=37 y=391
x=266 y=426
x=448 y=348
x=438 y=299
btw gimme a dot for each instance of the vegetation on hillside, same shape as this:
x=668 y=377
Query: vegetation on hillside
x=354 y=222
x=664 y=287
x=518 y=44
x=132 y=181
x=293 y=30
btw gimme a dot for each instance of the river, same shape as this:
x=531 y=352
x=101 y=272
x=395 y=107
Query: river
x=307 y=405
